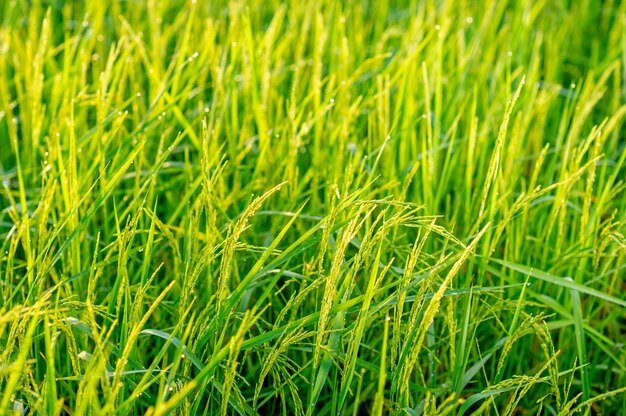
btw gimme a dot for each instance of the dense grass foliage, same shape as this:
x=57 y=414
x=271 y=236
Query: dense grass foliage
x=312 y=207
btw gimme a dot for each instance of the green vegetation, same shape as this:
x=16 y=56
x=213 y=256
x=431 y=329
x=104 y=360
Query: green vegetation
x=312 y=207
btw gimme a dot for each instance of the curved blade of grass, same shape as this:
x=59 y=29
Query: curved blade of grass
x=559 y=281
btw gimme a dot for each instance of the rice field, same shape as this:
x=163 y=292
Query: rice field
x=282 y=207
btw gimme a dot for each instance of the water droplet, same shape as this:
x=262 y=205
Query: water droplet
x=85 y=23
x=469 y=20
x=206 y=109
x=509 y=53
x=572 y=85
x=138 y=94
x=332 y=100
x=437 y=27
